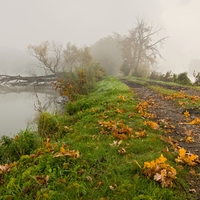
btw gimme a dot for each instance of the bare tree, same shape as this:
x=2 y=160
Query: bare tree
x=48 y=54
x=139 y=50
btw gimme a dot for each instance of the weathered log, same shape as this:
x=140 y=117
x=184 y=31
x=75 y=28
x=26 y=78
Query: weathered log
x=27 y=80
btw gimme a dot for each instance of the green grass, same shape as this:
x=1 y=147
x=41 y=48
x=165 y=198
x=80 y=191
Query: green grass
x=186 y=100
x=148 y=81
x=100 y=172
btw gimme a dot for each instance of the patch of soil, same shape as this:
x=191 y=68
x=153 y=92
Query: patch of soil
x=169 y=115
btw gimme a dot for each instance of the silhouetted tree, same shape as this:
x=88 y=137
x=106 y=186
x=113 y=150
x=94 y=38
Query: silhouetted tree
x=139 y=50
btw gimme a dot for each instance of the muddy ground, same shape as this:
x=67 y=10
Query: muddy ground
x=171 y=117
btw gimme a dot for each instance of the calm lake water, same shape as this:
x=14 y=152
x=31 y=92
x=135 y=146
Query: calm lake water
x=19 y=110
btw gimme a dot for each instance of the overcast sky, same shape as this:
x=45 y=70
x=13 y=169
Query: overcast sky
x=24 y=22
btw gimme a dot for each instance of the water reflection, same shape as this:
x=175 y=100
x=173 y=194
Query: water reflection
x=19 y=110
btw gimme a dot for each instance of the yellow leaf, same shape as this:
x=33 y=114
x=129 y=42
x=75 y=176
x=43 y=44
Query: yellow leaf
x=161 y=171
x=161 y=159
x=186 y=113
x=151 y=124
x=180 y=103
x=62 y=150
x=182 y=152
x=195 y=121
x=141 y=134
x=189 y=139
x=187 y=158
x=122 y=98
x=119 y=110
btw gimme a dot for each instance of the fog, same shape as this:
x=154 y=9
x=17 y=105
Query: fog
x=25 y=22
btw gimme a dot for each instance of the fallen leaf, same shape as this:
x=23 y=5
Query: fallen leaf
x=161 y=171
x=140 y=134
x=195 y=121
x=192 y=190
x=117 y=110
x=122 y=98
x=111 y=187
x=151 y=124
x=70 y=153
x=122 y=151
x=62 y=150
x=157 y=177
x=187 y=158
x=192 y=171
x=89 y=178
x=189 y=140
x=186 y=114
x=116 y=143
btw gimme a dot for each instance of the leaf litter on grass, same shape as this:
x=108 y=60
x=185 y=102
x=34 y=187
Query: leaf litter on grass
x=95 y=159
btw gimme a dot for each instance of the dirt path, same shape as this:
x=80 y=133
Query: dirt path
x=172 y=118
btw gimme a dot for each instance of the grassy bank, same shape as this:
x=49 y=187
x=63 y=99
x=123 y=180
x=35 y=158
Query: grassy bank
x=96 y=150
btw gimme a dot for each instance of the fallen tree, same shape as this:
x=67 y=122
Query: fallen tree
x=19 y=80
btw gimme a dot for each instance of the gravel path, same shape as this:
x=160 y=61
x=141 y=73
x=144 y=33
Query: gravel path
x=171 y=118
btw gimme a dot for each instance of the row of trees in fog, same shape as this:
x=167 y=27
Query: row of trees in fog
x=132 y=54
x=54 y=59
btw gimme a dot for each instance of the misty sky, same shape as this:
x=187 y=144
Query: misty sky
x=24 y=22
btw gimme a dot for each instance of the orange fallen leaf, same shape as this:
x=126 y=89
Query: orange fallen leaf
x=187 y=158
x=186 y=113
x=151 y=124
x=195 y=121
x=62 y=150
x=140 y=134
x=119 y=110
x=189 y=139
x=70 y=153
x=122 y=98
x=161 y=171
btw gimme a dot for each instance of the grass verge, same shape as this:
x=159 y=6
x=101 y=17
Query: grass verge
x=97 y=150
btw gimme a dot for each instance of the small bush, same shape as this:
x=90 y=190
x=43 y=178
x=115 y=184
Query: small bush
x=47 y=124
x=79 y=81
x=51 y=125
x=183 y=79
x=167 y=77
x=11 y=149
x=83 y=104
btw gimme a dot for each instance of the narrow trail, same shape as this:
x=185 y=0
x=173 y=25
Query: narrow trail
x=172 y=118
